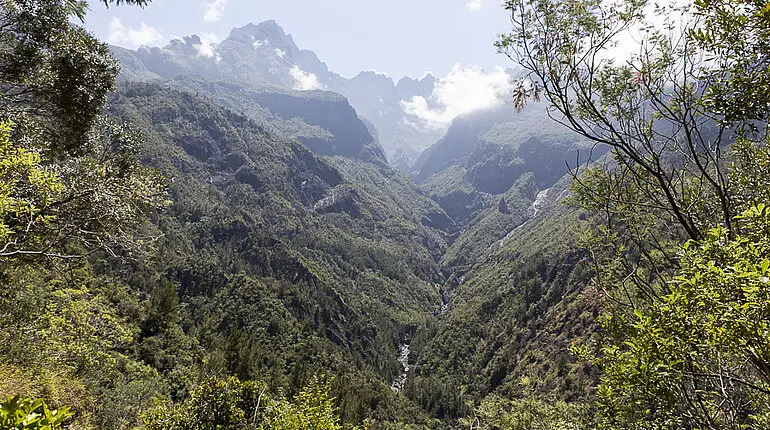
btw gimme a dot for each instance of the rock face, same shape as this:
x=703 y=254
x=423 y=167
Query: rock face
x=331 y=112
x=257 y=56
x=458 y=144
x=340 y=199
x=477 y=165
x=377 y=98
x=321 y=120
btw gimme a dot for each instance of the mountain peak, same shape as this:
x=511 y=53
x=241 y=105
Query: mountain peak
x=187 y=45
x=422 y=86
x=374 y=76
x=268 y=31
x=193 y=39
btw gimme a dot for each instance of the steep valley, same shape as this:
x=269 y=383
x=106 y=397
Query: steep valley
x=218 y=231
x=306 y=261
x=309 y=236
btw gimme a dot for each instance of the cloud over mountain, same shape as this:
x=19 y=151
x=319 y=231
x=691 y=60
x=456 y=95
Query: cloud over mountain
x=409 y=115
x=463 y=90
x=305 y=81
x=128 y=37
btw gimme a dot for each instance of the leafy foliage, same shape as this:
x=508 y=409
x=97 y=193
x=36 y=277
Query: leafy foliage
x=699 y=358
x=233 y=404
x=312 y=409
x=509 y=319
x=650 y=105
x=51 y=69
x=529 y=414
x=732 y=33
x=71 y=182
x=27 y=414
x=26 y=188
x=290 y=250
x=215 y=404
x=285 y=264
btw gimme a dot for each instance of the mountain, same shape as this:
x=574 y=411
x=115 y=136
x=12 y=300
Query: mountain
x=257 y=56
x=252 y=55
x=509 y=321
x=487 y=171
x=377 y=98
x=323 y=121
x=298 y=263
x=225 y=240
x=331 y=112
x=495 y=146
x=293 y=247
x=286 y=194
x=515 y=275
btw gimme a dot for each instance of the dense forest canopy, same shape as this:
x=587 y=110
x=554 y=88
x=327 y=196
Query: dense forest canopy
x=189 y=249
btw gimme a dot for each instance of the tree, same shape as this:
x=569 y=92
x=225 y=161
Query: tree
x=70 y=181
x=214 y=404
x=72 y=207
x=140 y=3
x=680 y=232
x=312 y=409
x=701 y=358
x=667 y=110
x=70 y=184
x=698 y=356
x=736 y=36
x=233 y=404
x=54 y=75
x=26 y=187
x=528 y=414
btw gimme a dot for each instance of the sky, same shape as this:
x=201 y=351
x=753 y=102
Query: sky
x=395 y=37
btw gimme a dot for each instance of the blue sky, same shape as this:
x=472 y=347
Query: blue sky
x=396 y=37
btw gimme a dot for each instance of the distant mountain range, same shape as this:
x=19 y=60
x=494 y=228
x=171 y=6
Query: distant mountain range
x=262 y=55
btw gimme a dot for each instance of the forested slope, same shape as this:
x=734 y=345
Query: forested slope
x=283 y=256
x=511 y=319
x=209 y=251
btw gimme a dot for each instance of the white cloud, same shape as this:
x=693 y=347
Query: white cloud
x=464 y=90
x=119 y=34
x=214 y=10
x=208 y=46
x=280 y=53
x=474 y=5
x=260 y=43
x=304 y=80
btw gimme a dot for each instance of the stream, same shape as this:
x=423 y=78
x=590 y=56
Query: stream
x=403 y=358
x=534 y=209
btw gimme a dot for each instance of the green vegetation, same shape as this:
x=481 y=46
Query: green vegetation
x=674 y=234
x=232 y=404
x=292 y=265
x=511 y=321
x=529 y=414
x=142 y=264
x=18 y=413
x=200 y=254
x=690 y=352
x=699 y=357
